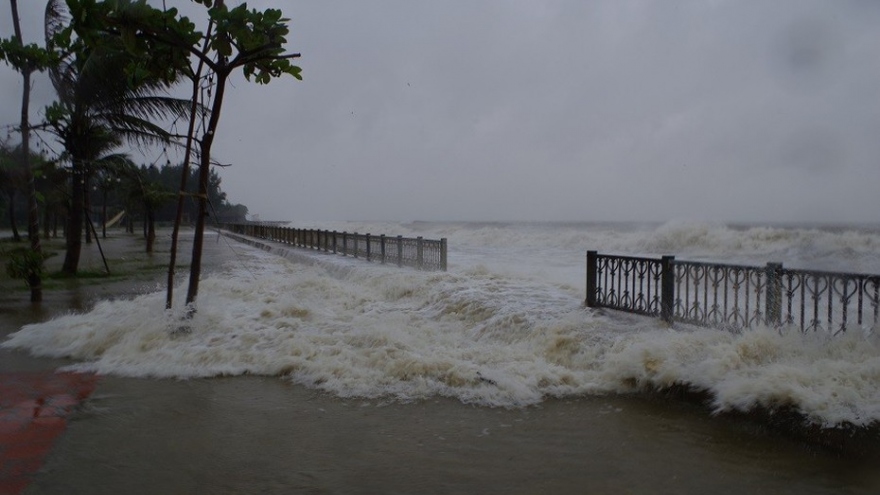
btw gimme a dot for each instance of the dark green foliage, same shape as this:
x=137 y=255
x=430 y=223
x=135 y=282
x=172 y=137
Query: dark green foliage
x=28 y=57
x=24 y=263
x=124 y=192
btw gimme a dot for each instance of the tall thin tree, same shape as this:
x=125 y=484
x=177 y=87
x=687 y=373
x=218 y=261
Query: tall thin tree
x=27 y=59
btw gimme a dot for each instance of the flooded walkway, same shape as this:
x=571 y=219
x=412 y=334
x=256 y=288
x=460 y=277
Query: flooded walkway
x=34 y=409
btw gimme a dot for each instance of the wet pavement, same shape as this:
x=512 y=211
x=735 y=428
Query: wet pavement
x=37 y=402
x=34 y=409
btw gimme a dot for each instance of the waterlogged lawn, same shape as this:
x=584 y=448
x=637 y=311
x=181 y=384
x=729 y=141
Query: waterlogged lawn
x=125 y=256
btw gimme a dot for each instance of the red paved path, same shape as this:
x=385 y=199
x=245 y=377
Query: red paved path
x=33 y=412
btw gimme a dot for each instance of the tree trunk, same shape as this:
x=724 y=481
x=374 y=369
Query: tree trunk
x=34 y=281
x=184 y=174
x=87 y=206
x=151 y=230
x=195 y=270
x=75 y=222
x=104 y=215
x=46 y=218
x=15 y=235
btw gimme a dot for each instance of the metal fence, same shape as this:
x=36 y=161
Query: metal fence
x=424 y=254
x=733 y=297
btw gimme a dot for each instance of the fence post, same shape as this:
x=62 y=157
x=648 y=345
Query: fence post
x=369 y=249
x=334 y=242
x=591 y=278
x=773 y=316
x=382 y=246
x=356 y=244
x=345 y=243
x=400 y=250
x=420 y=253
x=667 y=288
x=443 y=245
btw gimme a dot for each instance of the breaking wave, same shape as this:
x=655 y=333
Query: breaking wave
x=490 y=331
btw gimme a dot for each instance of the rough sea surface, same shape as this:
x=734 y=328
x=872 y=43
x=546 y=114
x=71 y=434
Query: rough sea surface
x=504 y=327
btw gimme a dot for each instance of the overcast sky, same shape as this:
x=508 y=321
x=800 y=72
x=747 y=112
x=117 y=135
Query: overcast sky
x=723 y=110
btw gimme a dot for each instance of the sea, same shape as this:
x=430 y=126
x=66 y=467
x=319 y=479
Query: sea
x=504 y=327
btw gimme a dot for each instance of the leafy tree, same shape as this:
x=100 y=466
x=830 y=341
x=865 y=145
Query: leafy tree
x=161 y=43
x=52 y=189
x=169 y=177
x=151 y=194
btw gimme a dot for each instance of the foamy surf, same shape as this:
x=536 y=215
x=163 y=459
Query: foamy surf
x=479 y=334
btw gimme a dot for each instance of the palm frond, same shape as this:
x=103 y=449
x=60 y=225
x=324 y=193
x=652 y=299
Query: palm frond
x=154 y=107
x=55 y=19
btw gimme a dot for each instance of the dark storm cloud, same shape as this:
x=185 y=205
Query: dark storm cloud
x=563 y=110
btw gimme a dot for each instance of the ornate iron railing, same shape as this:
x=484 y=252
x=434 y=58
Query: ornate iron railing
x=828 y=302
x=734 y=297
x=718 y=295
x=424 y=254
x=628 y=284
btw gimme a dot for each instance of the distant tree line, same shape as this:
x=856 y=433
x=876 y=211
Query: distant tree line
x=112 y=191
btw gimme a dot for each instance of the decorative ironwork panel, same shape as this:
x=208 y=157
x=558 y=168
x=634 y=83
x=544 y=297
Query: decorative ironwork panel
x=722 y=296
x=629 y=284
x=830 y=302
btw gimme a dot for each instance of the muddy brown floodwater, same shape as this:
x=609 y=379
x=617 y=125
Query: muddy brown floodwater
x=249 y=434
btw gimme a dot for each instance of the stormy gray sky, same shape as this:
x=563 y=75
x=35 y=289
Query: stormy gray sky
x=568 y=110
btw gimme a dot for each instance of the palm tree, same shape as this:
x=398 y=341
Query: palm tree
x=99 y=107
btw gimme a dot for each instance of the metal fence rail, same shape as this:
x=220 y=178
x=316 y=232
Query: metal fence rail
x=424 y=254
x=734 y=297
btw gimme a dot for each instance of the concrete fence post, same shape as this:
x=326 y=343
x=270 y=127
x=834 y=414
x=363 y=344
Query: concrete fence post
x=443 y=246
x=400 y=250
x=382 y=246
x=334 y=242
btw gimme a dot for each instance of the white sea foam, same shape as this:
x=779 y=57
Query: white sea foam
x=504 y=327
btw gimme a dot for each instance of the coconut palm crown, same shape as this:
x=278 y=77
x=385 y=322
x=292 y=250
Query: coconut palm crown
x=100 y=106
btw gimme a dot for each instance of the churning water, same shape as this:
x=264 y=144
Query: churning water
x=505 y=326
